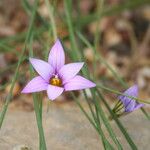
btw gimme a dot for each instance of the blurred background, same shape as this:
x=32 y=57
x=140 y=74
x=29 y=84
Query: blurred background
x=123 y=41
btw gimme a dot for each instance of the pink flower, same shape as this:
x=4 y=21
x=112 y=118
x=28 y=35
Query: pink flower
x=54 y=76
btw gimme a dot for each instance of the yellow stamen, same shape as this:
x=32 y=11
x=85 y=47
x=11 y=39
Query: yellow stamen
x=55 y=81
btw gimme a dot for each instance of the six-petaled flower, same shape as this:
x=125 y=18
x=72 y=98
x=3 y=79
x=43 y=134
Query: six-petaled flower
x=56 y=77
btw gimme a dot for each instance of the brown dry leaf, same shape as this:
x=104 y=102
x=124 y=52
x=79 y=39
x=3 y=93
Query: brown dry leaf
x=86 y=6
x=143 y=77
x=6 y=31
x=146 y=12
x=15 y=91
x=2 y=61
x=88 y=53
x=112 y=37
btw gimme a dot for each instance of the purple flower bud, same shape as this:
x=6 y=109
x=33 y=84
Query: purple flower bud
x=129 y=103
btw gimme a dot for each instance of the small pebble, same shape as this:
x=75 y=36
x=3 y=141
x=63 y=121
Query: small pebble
x=22 y=147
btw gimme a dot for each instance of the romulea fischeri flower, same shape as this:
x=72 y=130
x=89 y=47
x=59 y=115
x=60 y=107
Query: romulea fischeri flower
x=54 y=76
x=126 y=103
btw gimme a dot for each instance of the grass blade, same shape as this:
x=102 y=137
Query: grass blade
x=37 y=105
x=8 y=98
x=105 y=142
x=84 y=20
x=121 y=127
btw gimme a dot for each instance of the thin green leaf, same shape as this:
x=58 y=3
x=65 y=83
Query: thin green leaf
x=113 y=10
x=121 y=127
x=119 y=93
x=8 y=98
x=105 y=142
x=37 y=106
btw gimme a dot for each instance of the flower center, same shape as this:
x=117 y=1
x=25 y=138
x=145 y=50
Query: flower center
x=55 y=81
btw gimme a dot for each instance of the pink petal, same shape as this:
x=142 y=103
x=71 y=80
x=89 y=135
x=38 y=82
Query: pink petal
x=78 y=83
x=54 y=91
x=35 y=85
x=43 y=68
x=57 y=56
x=68 y=71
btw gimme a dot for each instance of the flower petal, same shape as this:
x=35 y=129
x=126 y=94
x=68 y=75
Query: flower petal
x=130 y=106
x=43 y=68
x=138 y=106
x=129 y=103
x=56 y=56
x=54 y=91
x=132 y=91
x=78 y=83
x=133 y=106
x=35 y=85
x=69 y=71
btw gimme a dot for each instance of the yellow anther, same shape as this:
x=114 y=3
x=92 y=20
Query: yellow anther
x=55 y=81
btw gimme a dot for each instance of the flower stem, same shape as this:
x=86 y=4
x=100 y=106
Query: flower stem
x=42 y=143
x=68 y=10
x=119 y=124
x=95 y=124
x=8 y=98
x=51 y=15
x=119 y=93
x=37 y=105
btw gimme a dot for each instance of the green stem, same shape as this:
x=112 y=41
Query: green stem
x=101 y=60
x=42 y=143
x=108 y=126
x=115 y=74
x=119 y=93
x=89 y=104
x=109 y=11
x=68 y=9
x=37 y=105
x=121 y=127
x=51 y=15
x=98 y=128
x=8 y=98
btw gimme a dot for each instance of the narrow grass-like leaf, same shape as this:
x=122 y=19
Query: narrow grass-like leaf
x=145 y=113
x=37 y=100
x=96 y=116
x=121 y=127
x=8 y=98
x=100 y=59
x=115 y=74
x=108 y=126
x=105 y=142
x=68 y=10
x=119 y=93
x=51 y=16
x=84 y=20
x=28 y=8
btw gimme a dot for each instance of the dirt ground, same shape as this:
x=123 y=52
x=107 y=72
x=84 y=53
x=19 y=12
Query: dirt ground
x=67 y=128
